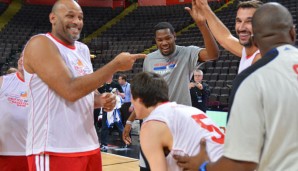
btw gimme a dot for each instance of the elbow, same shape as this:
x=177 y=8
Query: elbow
x=72 y=99
x=214 y=55
x=70 y=96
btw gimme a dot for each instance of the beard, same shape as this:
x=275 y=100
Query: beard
x=247 y=44
x=74 y=37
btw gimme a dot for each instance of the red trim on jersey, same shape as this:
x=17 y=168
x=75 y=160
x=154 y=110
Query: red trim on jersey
x=247 y=57
x=19 y=77
x=63 y=43
x=165 y=102
x=78 y=154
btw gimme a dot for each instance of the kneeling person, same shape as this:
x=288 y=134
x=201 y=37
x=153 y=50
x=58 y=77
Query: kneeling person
x=170 y=128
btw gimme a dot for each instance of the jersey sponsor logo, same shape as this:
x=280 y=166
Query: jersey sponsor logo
x=80 y=68
x=218 y=136
x=162 y=68
x=20 y=99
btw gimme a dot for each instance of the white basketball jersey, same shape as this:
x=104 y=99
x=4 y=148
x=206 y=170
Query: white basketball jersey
x=246 y=61
x=13 y=116
x=55 y=124
x=188 y=126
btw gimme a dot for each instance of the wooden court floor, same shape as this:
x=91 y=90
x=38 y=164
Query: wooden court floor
x=112 y=162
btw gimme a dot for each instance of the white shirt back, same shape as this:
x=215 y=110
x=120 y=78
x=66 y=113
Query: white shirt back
x=185 y=123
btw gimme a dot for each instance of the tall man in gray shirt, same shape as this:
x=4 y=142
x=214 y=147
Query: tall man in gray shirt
x=175 y=69
x=176 y=63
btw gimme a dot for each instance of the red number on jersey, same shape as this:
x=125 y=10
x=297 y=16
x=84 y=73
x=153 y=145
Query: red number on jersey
x=211 y=128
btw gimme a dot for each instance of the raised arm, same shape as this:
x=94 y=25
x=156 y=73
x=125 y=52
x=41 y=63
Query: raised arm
x=211 y=52
x=42 y=57
x=221 y=33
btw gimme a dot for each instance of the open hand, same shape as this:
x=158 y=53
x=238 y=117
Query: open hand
x=196 y=13
x=125 y=135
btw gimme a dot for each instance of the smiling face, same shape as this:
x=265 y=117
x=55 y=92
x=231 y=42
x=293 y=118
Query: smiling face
x=243 y=26
x=165 y=41
x=67 y=21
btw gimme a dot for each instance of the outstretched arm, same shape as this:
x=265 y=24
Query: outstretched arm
x=221 y=33
x=222 y=164
x=211 y=52
x=43 y=58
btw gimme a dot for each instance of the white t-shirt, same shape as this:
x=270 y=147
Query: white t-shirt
x=263 y=116
x=55 y=124
x=188 y=126
x=13 y=115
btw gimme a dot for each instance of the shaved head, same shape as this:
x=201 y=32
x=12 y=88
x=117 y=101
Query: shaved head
x=272 y=26
x=64 y=3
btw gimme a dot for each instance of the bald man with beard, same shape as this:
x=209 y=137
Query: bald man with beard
x=261 y=132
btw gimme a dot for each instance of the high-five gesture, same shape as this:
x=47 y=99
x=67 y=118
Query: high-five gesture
x=201 y=3
x=196 y=13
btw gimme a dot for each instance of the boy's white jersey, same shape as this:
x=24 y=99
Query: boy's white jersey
x=55 y=124
x=188 y=126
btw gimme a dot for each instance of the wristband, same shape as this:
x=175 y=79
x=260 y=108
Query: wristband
x=129 y=122
x=203 y=166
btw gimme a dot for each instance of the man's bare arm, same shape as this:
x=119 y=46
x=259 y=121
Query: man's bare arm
x=192 y=163
x=125 y=135
x=212 y=51
x=155 y=136
x=42 y=57
x=221 y=33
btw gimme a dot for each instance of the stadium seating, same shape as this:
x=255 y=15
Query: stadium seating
x=134 y=34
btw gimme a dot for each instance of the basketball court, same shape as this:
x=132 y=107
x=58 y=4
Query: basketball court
x=112 y=162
